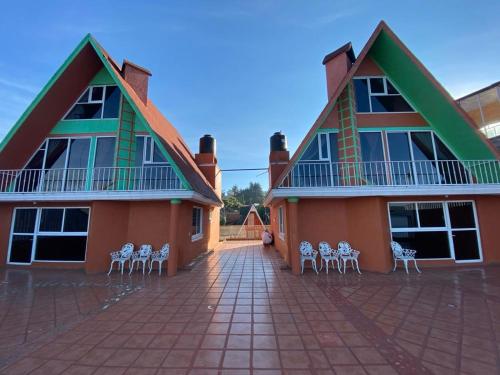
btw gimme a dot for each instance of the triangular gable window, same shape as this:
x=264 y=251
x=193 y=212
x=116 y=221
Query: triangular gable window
x=97 y=102
x=378 y=95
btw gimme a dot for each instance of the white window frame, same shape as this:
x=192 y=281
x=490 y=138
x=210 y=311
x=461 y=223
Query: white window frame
x=281 y=223
x=385 y=93
x=101 y=101
x=148 y=159
x=320 y=149
x=447 y=228
x=198 y=235
x=37 y=232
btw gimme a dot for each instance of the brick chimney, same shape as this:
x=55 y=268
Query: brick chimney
x=206 y=160
x=278 y=157
x=138 y=78
x=337 y=64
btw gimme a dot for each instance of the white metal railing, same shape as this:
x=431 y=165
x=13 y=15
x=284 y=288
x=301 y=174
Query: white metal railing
x=392 y=173
x=147 y=178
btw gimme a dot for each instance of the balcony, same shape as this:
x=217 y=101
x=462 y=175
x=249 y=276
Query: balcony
x=95 y=183
x=391 y=178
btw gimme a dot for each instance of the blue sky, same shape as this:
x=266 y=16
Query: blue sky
x=241 y=70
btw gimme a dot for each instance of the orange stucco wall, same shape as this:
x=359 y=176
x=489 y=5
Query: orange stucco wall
x=113 y=223
x=364 y=222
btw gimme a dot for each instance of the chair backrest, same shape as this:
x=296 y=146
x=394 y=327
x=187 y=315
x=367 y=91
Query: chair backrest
x=127 y=250
x=344 y=248
x=325 y=248
x=145 y=250
x=305 y=248
x=396 y=248
x=165 y=250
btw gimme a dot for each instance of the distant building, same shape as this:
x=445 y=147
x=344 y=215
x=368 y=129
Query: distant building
x=483 y=106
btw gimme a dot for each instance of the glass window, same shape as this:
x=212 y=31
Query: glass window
x=25 y=219
x=51 y=219
x=461 y=215
x=20 y=248
x=96 y=102
x=76 y=220
x=197 y=229
x=389 y=103
x=323 y=142
x=403 y=215
x=362 y=95
x=111 y=102
x=334 y=148
x=61 y=248
x=423 y=155
x=105 y=152
x=312 y=151
x=466 y=245
x=158 y=156
x=377 y=86
x=429 y=245
x=56 y=153
x=139 y=151
x=399 y=149
x=281 y=221
x=431 y=214
x=372 y=148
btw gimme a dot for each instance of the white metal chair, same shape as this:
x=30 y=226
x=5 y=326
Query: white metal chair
x=307 y=253
x=347 y=253
x=141 y=256
x=159 y=256
x=405 y=255
x=327 y=255
x=121 y=257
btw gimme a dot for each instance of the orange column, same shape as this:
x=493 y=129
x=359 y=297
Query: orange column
x=175 y=205
x=293 y=234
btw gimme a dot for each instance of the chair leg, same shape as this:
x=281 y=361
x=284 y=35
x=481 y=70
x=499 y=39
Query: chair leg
x=159 y=267
x=150 y=266
x=131 y=268
x=395 y=265
x=406 y=265
x=321 y=264
x=416 y=267
x=357 y=266
x=111 y=267
x=326 y=261
x=123 y=266
x=314 y=266
x=143 y=266
x=345 y=261
x=302 y=266
x=338 y=265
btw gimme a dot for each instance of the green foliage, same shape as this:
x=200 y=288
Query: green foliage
x=238 y=200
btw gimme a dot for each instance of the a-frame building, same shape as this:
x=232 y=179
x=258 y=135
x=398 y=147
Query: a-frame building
x=93 y=164
x=391 y=157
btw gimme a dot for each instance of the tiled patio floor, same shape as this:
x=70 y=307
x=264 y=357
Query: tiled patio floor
x=238 y=313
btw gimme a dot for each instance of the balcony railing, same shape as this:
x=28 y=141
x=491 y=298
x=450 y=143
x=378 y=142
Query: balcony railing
x=99 y=179
x=392 y=173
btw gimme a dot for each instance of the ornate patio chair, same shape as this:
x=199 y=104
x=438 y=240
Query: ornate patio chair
x=121 y=257
x=307 y=253
x=405 y=255
x=159 y=256
x=141 y=256
x=327 y=255
x=347 y=253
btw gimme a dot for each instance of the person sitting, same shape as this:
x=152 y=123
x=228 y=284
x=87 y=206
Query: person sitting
x=267 y=238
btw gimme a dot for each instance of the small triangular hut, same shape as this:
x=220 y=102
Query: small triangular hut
x=252 y=225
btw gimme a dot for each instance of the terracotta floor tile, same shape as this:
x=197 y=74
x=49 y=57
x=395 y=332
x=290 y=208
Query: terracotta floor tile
x=213 y=342
x=239 y=342
x=294 y=359
x=179 y=358
x=265 y=359
x=261 y=342
x=236 y=359
x=208 y=358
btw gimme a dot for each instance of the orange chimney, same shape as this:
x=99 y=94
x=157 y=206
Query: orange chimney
x=337 y=64
x=278 y=157
x=138 y=78
x=207 y=162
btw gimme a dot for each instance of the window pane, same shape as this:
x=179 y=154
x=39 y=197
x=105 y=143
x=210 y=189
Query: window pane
x=36 y=161
x=158 y=156
x=61 y=248
x=443 y=152
x=56 y=153
x=196 y=229
x=79 y=153
x=25 y=220
x=105 y=152
x=403 y=215
x=423 y=154
x=111 y=102
x=371 y=146
x=147 y=156
x=334 y=152
x=20 y=249
x=312 y=151
x=390 y=88
x=139 y=151
x=97 y=93
x=429 y=245
x=323 y=138
x=399 y=151
x=391 y=103
x=51 y=219
x=362 y=97
x=461 y=215
x=76 y=219
x=377 y=85
x=465 y=244
x=431 y=214
x=85 y=97
x=85 y=111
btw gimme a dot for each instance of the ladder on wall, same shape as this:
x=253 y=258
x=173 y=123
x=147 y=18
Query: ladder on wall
x=125 y=150
x=348 y=141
